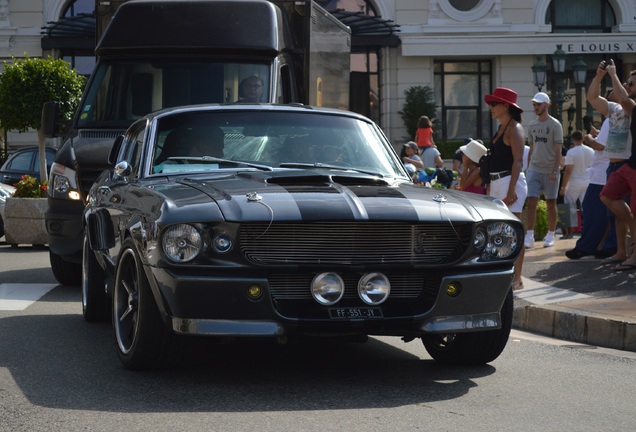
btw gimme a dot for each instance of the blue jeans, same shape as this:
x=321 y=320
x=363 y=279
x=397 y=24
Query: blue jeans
x=595 y=218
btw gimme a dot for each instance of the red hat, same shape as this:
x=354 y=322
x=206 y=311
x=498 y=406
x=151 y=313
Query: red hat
x=503 y=95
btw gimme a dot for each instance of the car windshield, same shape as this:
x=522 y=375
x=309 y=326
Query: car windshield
x=271 y=139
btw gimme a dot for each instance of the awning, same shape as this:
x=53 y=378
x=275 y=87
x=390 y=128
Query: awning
x=368 y=30
x=76 y=32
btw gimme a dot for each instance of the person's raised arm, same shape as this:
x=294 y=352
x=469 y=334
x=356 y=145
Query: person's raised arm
x=622 y=97
x=594 y=91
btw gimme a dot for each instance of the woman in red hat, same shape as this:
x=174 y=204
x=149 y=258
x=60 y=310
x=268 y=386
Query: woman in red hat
x=507 y=181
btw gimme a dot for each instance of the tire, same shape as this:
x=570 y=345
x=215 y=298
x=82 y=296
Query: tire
x=143 y=340
x=65 y=272
x=1 y=227
x=95 y=301
x=472 y=348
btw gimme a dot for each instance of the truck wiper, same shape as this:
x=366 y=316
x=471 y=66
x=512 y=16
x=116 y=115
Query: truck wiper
x=221 y=160
x=327 y=166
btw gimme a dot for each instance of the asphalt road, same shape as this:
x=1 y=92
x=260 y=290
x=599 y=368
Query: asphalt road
x=59 y=373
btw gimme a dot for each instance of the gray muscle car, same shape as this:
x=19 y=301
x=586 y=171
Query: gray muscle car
x=288 y=222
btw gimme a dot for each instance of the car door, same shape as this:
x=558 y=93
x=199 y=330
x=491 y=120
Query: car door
x=114 y=194
x=16 y=166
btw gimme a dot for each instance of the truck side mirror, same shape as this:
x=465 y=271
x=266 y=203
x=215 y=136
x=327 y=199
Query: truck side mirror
x=50 y=122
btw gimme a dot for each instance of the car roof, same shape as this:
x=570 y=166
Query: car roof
x=253 y=107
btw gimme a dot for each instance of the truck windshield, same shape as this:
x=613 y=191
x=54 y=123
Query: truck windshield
x=121 y=92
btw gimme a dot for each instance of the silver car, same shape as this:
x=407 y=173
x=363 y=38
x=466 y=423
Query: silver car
x=5 y=192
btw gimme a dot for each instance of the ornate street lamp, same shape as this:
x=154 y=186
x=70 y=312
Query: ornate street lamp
x=558 y=65
x=580 y=74
x=571 y=112
x=580 y=71
x=539 y=71
x=558 y=60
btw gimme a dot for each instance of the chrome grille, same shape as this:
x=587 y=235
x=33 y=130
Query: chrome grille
x=360 y=243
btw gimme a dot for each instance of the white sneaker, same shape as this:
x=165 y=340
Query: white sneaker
x=548 y=240
x=528 y=241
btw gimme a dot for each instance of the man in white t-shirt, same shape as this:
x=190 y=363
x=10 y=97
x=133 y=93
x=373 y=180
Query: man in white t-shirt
x=575 y=179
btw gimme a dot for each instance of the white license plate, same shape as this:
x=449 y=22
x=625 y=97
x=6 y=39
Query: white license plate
x=355 y=313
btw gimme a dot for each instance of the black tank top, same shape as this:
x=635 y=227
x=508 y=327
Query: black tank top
x=500 y=154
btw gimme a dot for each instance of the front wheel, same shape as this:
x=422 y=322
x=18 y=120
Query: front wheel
x=143 y=341
x=472 y=348
x=95 y=304
x=66 y=272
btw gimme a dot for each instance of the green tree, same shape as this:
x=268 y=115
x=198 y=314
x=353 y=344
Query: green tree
x=419 y=101
x=26 y=84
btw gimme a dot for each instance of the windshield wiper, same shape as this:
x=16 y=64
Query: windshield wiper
x=326 y=166
x=216 y=159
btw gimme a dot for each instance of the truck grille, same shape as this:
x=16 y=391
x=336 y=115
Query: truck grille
x=359 y=243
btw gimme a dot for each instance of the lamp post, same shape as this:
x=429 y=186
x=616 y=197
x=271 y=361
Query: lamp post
x=558 y=66
x=539 y=72
x=580 y=74
x=571 y=112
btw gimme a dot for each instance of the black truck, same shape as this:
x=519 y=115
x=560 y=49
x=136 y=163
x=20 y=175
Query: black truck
x=163 y=53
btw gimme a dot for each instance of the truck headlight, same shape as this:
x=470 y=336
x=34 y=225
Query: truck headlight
x=182 y=243
x=63 y=183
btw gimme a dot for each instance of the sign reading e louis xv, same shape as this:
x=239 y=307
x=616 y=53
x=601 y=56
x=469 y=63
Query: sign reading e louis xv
x=600 y=47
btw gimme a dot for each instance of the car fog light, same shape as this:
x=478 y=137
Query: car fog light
x=222 y=243
x=374 y=288
x=254 y=291
x=327 y=288
x=453 y=289
x=182 y=243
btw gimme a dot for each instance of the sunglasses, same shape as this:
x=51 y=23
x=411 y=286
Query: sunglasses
x=494 y=104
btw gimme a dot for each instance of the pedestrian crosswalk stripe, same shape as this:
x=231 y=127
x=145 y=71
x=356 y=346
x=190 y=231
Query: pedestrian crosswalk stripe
x=19 y=296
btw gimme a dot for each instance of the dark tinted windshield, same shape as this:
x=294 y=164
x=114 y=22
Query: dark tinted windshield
x=194 y=141
x=123 y=91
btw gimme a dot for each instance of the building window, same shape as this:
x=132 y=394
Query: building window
x=464 y=5
x=584 y=16
x=82 y=60
x=460 y=87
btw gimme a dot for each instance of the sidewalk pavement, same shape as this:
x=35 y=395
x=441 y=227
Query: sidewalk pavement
x=583 y=300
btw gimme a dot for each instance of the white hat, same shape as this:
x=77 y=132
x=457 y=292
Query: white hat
x=474 y=150
x=541 y=98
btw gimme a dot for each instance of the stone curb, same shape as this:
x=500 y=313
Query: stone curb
x=566 y=323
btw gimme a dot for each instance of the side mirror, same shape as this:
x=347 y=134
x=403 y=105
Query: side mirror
x=50 y=122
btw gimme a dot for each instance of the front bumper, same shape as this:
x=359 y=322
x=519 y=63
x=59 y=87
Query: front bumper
x=222 y=306
x=64 y=227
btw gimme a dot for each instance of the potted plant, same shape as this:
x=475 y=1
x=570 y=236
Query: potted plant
x=24 y=213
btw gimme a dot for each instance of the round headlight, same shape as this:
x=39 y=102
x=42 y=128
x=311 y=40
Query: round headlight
x=327 y=288
x=481 y=236
x=502 y=241
x=182 y=243
x=222 y=243
x=374 y=288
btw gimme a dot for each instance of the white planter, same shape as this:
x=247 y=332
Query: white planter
x=24 y=221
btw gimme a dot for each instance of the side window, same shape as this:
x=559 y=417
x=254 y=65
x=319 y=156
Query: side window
x=136 y=146
x=132 y=150
x=21 y=162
